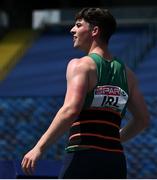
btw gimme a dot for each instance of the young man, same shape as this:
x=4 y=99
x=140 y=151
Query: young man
x=99 y=89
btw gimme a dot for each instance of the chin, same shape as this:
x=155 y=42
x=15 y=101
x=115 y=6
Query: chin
x=76 y=46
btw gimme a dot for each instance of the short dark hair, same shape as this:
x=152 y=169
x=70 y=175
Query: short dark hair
x=101 y=18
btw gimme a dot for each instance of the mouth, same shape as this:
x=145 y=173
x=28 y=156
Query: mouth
x=74 y=38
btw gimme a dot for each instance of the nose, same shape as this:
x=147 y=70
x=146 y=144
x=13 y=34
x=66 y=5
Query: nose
x=72 y=31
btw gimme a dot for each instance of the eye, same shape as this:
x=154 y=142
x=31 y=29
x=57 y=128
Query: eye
x=78 y=25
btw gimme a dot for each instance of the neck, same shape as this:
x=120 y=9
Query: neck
x=100 y=49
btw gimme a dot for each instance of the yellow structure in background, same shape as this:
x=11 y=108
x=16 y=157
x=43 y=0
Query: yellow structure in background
x=12 y=47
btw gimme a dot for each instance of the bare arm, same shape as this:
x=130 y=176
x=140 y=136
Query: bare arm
x=138 y=110
x=77 y=83
x=77 y=87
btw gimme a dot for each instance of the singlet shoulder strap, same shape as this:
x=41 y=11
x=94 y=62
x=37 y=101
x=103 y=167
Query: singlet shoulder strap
x=97 y=59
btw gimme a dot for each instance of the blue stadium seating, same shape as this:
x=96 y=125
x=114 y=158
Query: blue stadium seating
x=42 y=69
x=147 y=73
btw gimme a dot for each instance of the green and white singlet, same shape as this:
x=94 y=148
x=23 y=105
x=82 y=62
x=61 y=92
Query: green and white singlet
x=98 y=124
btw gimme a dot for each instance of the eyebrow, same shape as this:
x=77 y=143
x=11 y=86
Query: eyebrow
x=78 y=23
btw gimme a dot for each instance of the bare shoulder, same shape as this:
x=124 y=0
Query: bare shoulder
x=131 y=75
x=83 y=64
x=132 y=79
x=82 y=60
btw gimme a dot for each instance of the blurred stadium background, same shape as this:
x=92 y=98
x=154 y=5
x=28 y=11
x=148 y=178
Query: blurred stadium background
x=35 y=47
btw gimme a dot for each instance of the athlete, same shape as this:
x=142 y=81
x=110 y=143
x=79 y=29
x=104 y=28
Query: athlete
x=100 y=88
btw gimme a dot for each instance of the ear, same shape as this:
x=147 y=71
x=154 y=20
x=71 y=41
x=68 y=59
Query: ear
x=95 y=31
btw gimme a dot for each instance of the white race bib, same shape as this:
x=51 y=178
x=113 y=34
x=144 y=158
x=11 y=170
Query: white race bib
x=110 y=96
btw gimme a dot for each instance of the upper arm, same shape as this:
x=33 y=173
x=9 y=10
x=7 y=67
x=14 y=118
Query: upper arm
x=136 y=104
x=77 y=85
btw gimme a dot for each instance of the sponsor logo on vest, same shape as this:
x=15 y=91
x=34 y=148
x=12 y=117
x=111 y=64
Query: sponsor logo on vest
x=107 y=90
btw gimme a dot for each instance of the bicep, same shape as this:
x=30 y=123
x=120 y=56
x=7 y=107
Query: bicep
x=77 y=86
